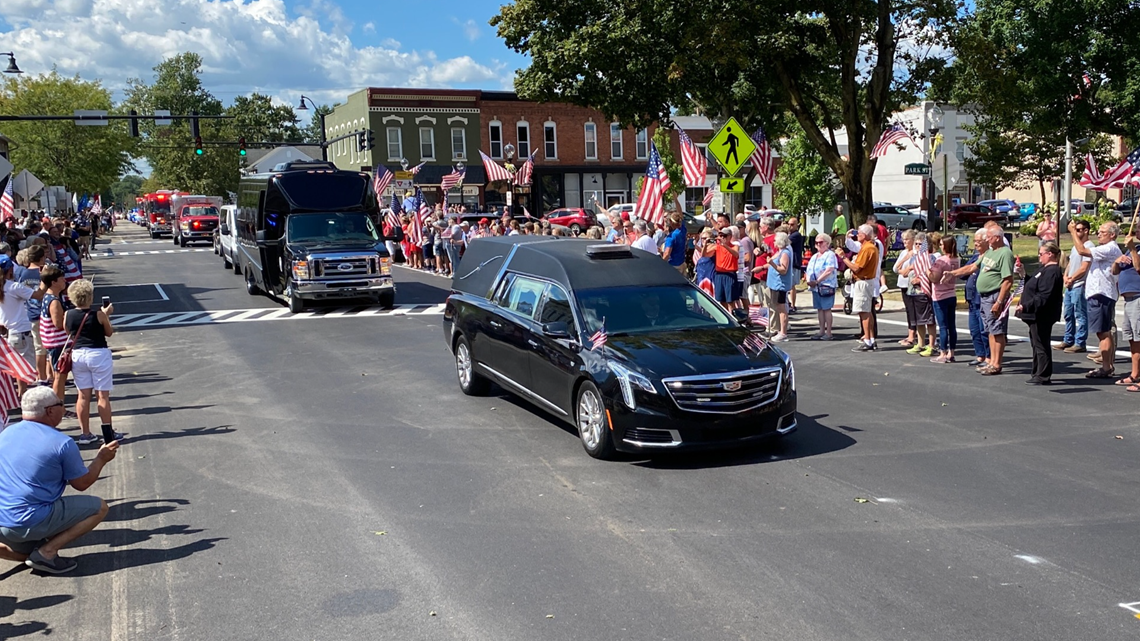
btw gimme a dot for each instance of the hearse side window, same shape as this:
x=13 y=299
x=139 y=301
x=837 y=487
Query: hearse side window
x=556 y=309
x=500 y=297
x=524 y=295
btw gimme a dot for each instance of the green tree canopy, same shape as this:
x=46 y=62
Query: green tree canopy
x=82 y=158
x=125 y=190
x=257 y=119
x=830 y=64
x=804 y=184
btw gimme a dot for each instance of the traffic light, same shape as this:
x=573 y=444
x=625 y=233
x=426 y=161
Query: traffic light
x=134 y=124
x=241 y=146
x=361 y=141
x=194 y=131
x=198 y=145
x=369 y=139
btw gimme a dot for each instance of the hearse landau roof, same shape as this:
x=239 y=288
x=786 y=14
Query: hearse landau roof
x=562 y=260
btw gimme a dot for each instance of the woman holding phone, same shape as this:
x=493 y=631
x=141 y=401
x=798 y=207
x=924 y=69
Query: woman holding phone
x=90 y=356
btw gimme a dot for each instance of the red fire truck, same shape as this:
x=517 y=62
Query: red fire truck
x=156 y=211
x=195 y=218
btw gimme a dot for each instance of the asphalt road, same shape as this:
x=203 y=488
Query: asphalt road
x=321 y=477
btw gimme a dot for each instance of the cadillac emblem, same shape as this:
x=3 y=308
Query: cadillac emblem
x=731 y=386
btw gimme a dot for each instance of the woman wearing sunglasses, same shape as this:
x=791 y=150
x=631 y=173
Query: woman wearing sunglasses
x=822 y=279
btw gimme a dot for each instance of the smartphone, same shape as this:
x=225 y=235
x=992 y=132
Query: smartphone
x=108 y=434
x=106 y=301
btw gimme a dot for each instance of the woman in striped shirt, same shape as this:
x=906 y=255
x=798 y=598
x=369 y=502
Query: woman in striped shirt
x=52 y=333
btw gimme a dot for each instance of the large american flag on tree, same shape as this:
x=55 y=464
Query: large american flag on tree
x=893 y=134
x=692 y=160
x=650 y=202
x=762 y=157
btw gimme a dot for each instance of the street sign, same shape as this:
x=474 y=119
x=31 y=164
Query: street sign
x=731 y=147
x=159 y=121
x=917 y=169
x=404 y=175
x=402 y=183
x=947 y=170
x=94 y=117
x=5 y=167
x=732 y=185
x=26 y=185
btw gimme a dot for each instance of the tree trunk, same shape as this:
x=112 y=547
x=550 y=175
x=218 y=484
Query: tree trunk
x=857 y=183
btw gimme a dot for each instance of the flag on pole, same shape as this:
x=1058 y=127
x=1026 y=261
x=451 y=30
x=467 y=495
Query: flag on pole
x=451 y=180
x=7 y=204
x=753 y=343
x=1133 y=159
x=524 y=175
x=381 y=178
x=758 y=315
x=921 y=264
x=397 y=206
x=1091 y=175
x=599 y=338
x=494 y=170
x=1118 y=176
x=692 y=160
x=12 y=366
x=97 y=205
x=415 y=170
x=650 y=205
x=710 y=192
x=1009 y=301
x=762 y=157
x=415 y=223
x=891 y=135
x=422 y=205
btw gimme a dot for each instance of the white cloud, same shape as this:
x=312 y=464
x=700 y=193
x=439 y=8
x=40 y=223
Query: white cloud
x=246 y=45
x=369 y=27
x=472 y=29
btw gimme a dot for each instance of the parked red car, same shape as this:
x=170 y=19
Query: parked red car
x=973 y=215
x=578 y=219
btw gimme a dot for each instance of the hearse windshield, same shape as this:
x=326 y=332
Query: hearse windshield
x=631 y=310
x=332 y=227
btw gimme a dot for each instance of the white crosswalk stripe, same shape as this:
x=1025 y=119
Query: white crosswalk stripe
x=115 y=254
x=207 y=317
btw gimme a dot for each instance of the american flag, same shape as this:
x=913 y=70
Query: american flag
x=1134 y=159
x=891 y=135
x=524 y=175
x=415 y=170
x=14 y=365
x=762 y=157
x=381 y=178
x=753 y=343
x=1091 y=175
x=650 y=205
x=1009 y=301
x=7 y=205
x=758 y=315
x=415 y=231
x=451 y=180
x=710 y=191
x=1116 y=177
x=693 y=160
x=921 y=263
x=97 y=205
x=598 y=340
x=494 y=170
x=424 y=208
x=397 y=206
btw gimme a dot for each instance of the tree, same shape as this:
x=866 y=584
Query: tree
x=832 y=65
x=83 y=158
x=804 y=184
x=125 y=190
x=257 y=119
x=169 y=150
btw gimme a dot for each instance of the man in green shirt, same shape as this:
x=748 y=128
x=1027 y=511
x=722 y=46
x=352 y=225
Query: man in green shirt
x=995 y=278
x=839 y=227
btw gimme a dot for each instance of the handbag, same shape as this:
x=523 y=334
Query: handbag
x=825 y=291
x=63 y=363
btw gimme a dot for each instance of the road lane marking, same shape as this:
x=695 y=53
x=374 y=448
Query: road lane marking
x=223 y=316
x=115 y=254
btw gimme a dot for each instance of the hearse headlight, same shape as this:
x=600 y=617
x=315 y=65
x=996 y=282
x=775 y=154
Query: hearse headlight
x=789 y=368
x=385 y=266
x=301 y=270
x=628 y=380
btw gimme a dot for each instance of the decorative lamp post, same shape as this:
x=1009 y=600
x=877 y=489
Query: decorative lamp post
x=304 y=107
x=937 y=118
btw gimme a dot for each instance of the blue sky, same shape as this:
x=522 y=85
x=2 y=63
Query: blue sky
x=322 y=48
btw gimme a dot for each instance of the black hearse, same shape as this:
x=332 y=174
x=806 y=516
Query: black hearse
x=616 y=342
x=307 y=231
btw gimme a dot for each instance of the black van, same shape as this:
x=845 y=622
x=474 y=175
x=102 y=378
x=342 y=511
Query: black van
x=307 y=231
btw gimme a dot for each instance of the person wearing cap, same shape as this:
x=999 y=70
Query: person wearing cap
x=14 y=297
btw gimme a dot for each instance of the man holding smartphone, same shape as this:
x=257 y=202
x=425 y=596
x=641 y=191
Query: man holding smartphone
x=37 y=462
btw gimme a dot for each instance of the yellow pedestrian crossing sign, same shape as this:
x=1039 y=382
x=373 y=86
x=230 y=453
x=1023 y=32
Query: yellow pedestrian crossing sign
x=732 y=185
x=731 y=147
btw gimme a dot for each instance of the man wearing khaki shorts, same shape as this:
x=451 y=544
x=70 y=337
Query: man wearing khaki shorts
x=864 y=270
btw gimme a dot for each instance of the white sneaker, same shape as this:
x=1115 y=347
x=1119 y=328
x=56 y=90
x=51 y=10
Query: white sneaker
x=87 y=439
x=779 y=338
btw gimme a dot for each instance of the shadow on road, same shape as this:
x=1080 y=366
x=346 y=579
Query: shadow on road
x=136 y=377
x=100 y=562
x=131 y=510
x=161 y=409
x=190 y=431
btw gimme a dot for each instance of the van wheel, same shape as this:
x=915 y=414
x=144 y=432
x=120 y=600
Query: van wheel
x=591 y=419
x=470 y=383
x=387 y=300
x=153 y=235
x=250 y=285
x=296 y=305
x=226 y=262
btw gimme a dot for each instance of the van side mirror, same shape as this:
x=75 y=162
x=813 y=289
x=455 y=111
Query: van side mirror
x=742 y=317
x=557 y=329
x=225 y=229
x=259 y=238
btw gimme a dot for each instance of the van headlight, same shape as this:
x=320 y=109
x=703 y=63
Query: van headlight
x=301 y=270
x=185 y=225
x=385 y=266
x=628 y=380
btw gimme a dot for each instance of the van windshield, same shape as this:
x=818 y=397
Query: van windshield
x=333 y=227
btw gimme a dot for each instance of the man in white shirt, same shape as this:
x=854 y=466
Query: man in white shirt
x=1101 y=292
x=643 y=240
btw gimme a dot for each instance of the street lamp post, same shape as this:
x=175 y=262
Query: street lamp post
x=509 y=154
x=12 y=68
x=321 y=115
x=937 y=119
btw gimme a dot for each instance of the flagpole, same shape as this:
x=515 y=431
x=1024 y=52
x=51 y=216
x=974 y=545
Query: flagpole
x=1132 y=225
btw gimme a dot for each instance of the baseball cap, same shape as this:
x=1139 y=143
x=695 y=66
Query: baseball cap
x=483 y=221
x=5 y=263
x=724 y=232
x=625 y=215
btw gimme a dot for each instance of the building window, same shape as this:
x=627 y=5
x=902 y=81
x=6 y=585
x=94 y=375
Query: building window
x=458 y=143
x=427 y=143
x=591 y=141
x=524 y=139
x=395 y=144
x=615 y=141
x=643 y=144
x=550 y=138
x=960 y=149
x=496 y=139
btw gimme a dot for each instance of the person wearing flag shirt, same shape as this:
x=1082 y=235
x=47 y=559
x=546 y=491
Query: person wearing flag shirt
x=920 y=301
x=995 y=284
x=1127 y=270
x=1101 y=292
x=1040 y=308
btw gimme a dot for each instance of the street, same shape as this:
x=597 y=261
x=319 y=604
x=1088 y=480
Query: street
x=320 y=476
